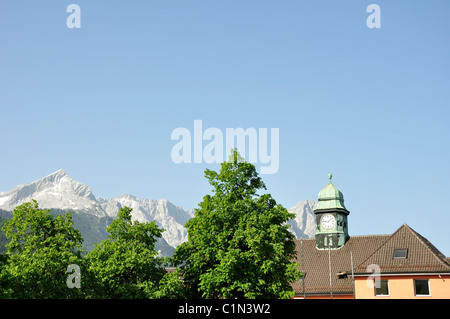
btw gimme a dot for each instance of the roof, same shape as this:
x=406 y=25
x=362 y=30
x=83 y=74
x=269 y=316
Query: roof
x=315 y=263
x=170 y=269
x=365 y=250
x=422 y=256
x=330 y=198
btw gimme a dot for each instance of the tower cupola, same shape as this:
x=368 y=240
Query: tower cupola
x=331 y=198
x=331 y=218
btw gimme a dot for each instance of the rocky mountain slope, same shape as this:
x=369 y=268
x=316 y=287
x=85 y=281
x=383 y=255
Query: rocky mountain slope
x=59 y=192
x=304 y=223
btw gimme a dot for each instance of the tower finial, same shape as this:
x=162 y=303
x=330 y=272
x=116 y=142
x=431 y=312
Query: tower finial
x=330 y=176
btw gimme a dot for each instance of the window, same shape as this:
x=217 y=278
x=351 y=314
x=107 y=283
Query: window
x=401 y=253
x=421 y=287
x=383 y=289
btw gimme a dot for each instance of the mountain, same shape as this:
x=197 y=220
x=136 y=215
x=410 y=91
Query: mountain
x=168 y=216
x=304 y=223
x=60 y=193
x=56 y=190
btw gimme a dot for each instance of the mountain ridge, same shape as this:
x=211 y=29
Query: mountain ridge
x=58 y=191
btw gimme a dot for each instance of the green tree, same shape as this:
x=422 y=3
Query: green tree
x=126 y=264
x=239 y=245
x=171 y=286
x=40 y=250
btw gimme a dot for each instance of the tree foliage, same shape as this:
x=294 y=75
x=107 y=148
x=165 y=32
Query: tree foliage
x=41 y=247
x=126 y=264
x=239 y=245
x=39 y=251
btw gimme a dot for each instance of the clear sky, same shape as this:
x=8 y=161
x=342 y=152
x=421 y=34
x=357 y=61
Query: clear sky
x=371 y=106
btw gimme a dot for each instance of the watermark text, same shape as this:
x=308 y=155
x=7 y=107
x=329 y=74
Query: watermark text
x=251 y=143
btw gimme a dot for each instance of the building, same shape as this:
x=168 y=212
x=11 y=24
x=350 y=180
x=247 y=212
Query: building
x=336 y=265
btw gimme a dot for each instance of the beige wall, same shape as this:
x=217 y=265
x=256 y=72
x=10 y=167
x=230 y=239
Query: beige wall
x=402 y=287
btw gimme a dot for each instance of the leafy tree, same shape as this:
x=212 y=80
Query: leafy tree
x=239 y=245
x=125 y=264
x=171 y=286
x=3 y=239
x=40 y=250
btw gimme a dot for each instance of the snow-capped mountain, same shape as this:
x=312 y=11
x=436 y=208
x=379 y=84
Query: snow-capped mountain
x=60 y=191
x=56 y=190
x=304 y=223
x=168 y=216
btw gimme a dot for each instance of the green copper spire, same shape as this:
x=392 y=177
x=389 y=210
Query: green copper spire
x=331 y=218
x=330 y=197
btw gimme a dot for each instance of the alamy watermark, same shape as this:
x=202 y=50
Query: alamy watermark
x=191 y=148
x=74 y=279
x=73 y=21
x=374 y=19
x=374 y=279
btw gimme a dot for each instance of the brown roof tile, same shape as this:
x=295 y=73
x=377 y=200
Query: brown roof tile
x=365 y=250
x=422 y=255
x=316 y=266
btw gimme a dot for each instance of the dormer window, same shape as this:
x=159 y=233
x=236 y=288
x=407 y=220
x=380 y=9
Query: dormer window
x=401 y=253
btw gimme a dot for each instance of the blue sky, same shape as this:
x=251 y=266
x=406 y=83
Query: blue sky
x=369 y=105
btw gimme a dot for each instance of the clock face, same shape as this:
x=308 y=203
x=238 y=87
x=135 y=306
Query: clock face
x=327 y=221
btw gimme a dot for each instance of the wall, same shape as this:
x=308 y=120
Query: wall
x=402 y=287
x=325 y=297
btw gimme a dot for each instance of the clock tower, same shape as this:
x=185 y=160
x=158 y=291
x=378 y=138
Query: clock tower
x=331 y=218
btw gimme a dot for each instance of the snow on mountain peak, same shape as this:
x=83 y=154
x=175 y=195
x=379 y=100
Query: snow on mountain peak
x=60 y=172
x=59 y=191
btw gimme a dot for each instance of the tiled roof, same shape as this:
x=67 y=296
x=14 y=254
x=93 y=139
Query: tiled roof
x=170 y=269
x=366 y=250
x=422 y=256
x=316 y=264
